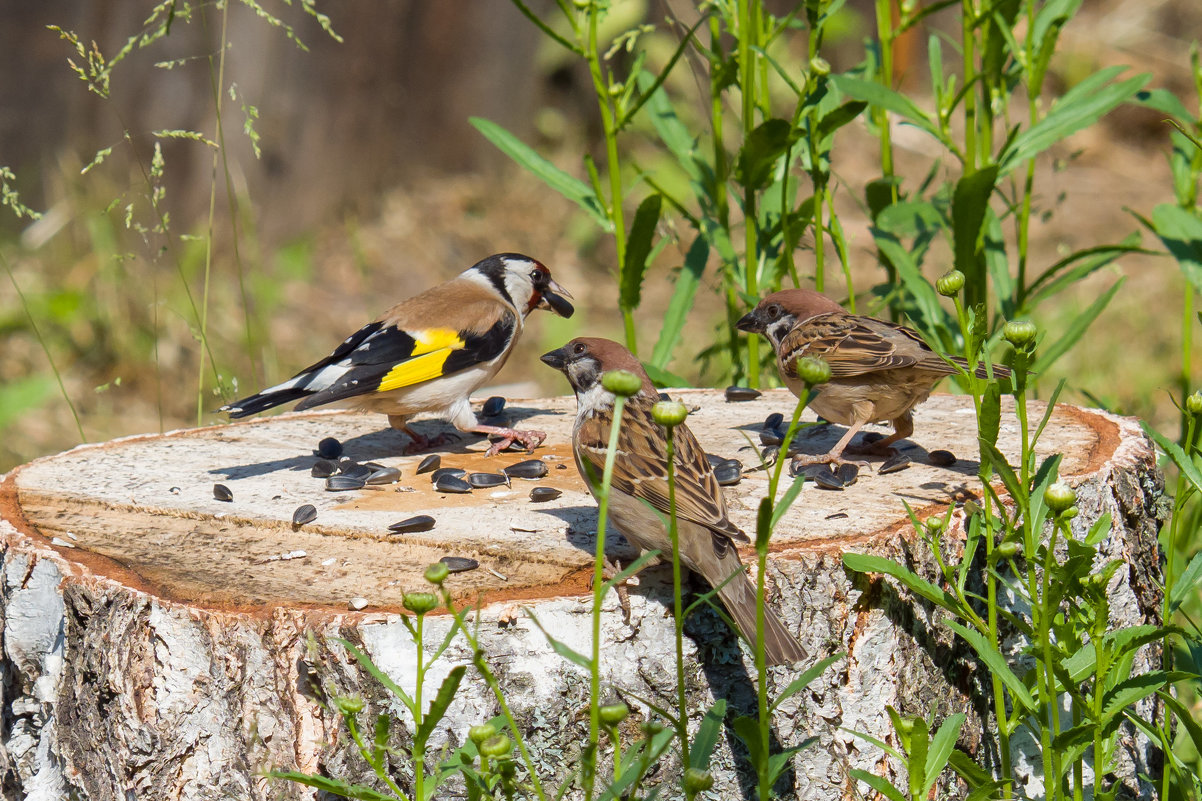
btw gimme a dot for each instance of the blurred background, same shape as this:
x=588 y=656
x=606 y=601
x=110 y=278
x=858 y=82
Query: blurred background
x=361 y=182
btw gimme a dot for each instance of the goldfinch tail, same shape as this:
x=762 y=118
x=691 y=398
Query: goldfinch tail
x=267 y=399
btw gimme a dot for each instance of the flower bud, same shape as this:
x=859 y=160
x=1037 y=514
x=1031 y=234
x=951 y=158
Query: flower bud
x=1007 y=550
x=349 y=704
x=651 y=727
x=933 y=524
x=820 y=66
x=419 y=603
x=437 y=573
x=950 y=283
x=1070 y=513
x=1020 y=333
x=1193 y=404
x=1059 y=497
x=813 y=370
x=697 y=781
x=621 y=382
x=669 y=414
x=613 y=714
x=478 y=734
x=496 y=746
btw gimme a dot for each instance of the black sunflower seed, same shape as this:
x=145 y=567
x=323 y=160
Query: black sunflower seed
x=448 y=483
x=486 y=480
x=413 y=524
x=431 y=462
x=304 y=514
x=222 y=493
x=769 y=455
x=323 y=468
x=772 y=436
x=493 y=406
x=343 y=483
x=329 y=448
x=457 y=472
x=736 y=394
x=896 y=462
x=374 y=465
x=941 y=458
x=821 y=475
x=847 y=473
x=774 y=420
x=540 y=494
x=352 y=469
x=531 y=468
x=459 y=564
x=385 y=475
x=714 y=459
x=728 y=473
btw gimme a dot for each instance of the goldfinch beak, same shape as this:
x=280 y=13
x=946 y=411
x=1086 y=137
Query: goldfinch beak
x=554 y=299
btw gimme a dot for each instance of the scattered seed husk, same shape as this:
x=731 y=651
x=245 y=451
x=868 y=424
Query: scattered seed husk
x=487 y=480
x=305 y=513
x=737 y=394
x=459 y=564
x=358 y=603
x=449 y=483
x=769 y=455
x=222 y=493
x=561 y=467
x=531 y=468
x=773 y=421
x=374 y=466
x=457 y=472
x=343 y=483
x=174 y=490
x=728 y=473
x=836 y=516
x=941 y=458
x=896 y=462
x=329 y=448
x=772 y=436
x=385 y=475
x=540 y=494
x=714 y=459
x=493 y=406
x=822 y=476
x=413 y=524
x=431 y=462
x=352 y=469
x=323 y=468
x=847 y=473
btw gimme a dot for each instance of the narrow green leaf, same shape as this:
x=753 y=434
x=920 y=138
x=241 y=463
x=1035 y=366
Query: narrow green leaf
x=664 y=378
x=638 y=248
x=942 y=745
x=438 y=707
x=969 y=770
x=333 y=786
x=786 y=500
x=1185 y=717
x=779 y=762
x=377 y=674
x=1084 y=263
x=749 y=732
x=801 y=682
x=996 y=663
x=1162 y=100
x=1184 y=463
x=1072 y=743
x=1181 y=233
x=1135 y=689
x=969 y=203
x=675 y=135
x=869 y=563
x=1185 y=587
x=878 y=783
x=1048 y=355
x=991 y=413
x=834 y=120
x=1004 y=471
x=573 y=189
x=644 y=559
x=707 y=735
x=765 y=144
x=575 y=657
x=682 y=302
x=916 y=758
x=763 y=524
x=884 y=97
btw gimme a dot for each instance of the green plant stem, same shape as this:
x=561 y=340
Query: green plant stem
x=419 y=754
x=1187 y=356
x=884 y=28
x=1047 y=679
x=763 y=770
x=682 y=708
x=967 y=17
x=352 y=726
x=749 y=36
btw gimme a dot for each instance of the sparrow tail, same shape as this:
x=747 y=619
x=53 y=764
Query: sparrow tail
x=738 y=596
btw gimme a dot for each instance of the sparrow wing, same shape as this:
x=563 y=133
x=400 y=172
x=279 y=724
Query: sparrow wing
x=641 y=468
x=854 y=345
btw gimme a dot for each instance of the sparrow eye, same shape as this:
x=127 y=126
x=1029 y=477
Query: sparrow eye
x=773 y=311
x=579 y=349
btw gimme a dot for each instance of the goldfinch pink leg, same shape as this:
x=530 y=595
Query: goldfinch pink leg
x=420 y=441
x=507 y=436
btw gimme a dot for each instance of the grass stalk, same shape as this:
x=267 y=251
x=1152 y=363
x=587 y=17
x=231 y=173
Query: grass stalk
x=749 y=39
x=682 y=708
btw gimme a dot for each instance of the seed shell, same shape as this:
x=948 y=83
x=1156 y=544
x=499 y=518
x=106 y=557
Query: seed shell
x=772 y=436
x=329 y=448
x=821 y=475
x=457 y=472
x=449 y=483
x=323 y=468
x=343 y=483
x=352 y=469
x=486 y=480
x=306 y=513
x=431 y=462
x=774 y=420
x=737 y=394
x=531 y=468
x=540 y=494
x=385 y=475
x=896 y=462
x=728 y=473
x=413 y=524
x=493 y=406
x=222 y=493
x=941 y=458
x=459 y=564
x=847 y=473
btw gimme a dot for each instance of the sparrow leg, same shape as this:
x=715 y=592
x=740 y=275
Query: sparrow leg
x=835 y=456
x=507 y=436
x=902 y=428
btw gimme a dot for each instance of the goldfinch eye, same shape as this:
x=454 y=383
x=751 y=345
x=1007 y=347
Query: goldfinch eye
x=536 y=276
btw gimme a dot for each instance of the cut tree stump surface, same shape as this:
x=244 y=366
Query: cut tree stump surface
x=141 y=510
x=159 y=643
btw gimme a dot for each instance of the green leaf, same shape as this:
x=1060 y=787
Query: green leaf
x=1135 y=689
x=645 y=558
x=763 y=524
x=801 y=682
x=1078 y=108
x=969 y=770
x=786 y=500
x=878 y=783
x=869 y=563
x=991 y=413
x=332 y=786
x=1185 y=587
x=438 y=707
x=575 y=657
x=664 y=378
x=996 y=663
x=777 y=763
x=377 y=674
x=765 y=144
x=1004 y=471
x=1185 y=717
x=633 y=769
x=942 y=745
x=681 y=303
x=970 y=200
x=573 y=189
x=1162 y=100
x=1048 y=355
x=1183 y=462
x=916 y=758
x=749 y=732
x=707 y=735
x=1181 y=233
x=1073 y=742
x=1058 y=277
x=836 y=119
x=882 y=97
x=638 y=248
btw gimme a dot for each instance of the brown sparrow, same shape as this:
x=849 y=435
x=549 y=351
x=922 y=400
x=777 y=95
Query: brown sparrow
x=640 y=480
x=879 y=370
x=429 y=353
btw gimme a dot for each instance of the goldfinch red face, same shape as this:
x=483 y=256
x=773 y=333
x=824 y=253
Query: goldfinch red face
x=525 y=283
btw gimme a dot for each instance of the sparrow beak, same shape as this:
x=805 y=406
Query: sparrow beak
x=557 y=358
x=553 y=299
x=750 y=322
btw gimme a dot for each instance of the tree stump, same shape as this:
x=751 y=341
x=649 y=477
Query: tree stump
x=160 y=643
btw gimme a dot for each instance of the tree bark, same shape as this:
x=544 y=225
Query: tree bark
x=159 y=643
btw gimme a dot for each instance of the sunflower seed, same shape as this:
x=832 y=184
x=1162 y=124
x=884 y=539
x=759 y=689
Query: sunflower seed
x=358 y=603
x=847 y=473
x=304 y=514
x=385 y=475
x=774 y=420
x=449 y=483
x=821 y=475
x=531 y=468
x=373 y=466
x=561 y=467
x=728 y=473
x=769 y=455
x=493 y=406
x=664 y=396
x=941 y=458
x=486 y=480
x=896 y=462
x=772 y=436
x=736 y=394
x=352 y=469
x=457 y=472
x=836 y=516
x=341 y=483
x=459 y=564
x=540 y=494
x=222 y=493
x=431 y=462
x=323 y=468
x=714 y=459
x=329 y=448
x=413 y=524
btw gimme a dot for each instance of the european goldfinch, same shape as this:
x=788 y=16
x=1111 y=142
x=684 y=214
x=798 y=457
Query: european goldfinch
x=640 y=485
x=429 y=353
x=879 y=370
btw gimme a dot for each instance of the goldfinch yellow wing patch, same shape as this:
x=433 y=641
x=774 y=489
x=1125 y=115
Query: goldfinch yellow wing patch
x=431 y=349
